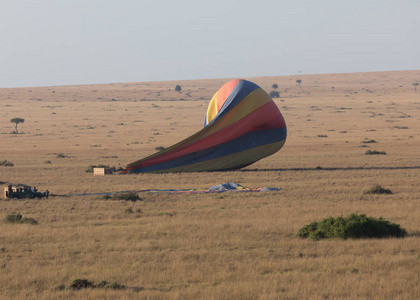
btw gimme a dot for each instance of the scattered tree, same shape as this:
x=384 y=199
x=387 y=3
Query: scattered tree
x=299 y=81
x=275 y=86
x=178 y=88
x=415 y=86
x=17 y=121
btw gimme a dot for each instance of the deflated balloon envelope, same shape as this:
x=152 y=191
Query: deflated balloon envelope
x=242 y=126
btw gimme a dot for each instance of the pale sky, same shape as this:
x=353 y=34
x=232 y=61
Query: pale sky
x=66 y=42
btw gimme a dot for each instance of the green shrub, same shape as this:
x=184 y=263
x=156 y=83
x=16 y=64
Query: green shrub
x=18 y=219
x=354 y=226
x=374 y=152
x=377 y=189
x=160 y=148
x=61 y=155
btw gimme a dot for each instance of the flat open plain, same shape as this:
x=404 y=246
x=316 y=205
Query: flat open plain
x=211 y=246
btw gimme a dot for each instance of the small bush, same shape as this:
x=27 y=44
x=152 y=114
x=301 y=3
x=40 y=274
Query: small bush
x=377 y=189
x=160 y=148
x=128 y=196
x=18 y=219
x=14 y=218
x=61 y=155
x=178 y=88
x=374 y=152
x=129 y=210
x=369 y=141
x=110 y=285
x=79 y=284
x=354 y=226
x=6 y=163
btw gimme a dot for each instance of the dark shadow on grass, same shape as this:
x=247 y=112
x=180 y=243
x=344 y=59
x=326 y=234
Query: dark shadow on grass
x=413 y=234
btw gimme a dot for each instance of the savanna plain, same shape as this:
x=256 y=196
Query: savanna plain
x=220 y=245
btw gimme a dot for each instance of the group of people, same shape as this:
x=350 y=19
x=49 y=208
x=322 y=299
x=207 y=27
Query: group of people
x=25 y=189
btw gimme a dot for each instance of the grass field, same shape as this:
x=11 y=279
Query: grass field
x=211 y=246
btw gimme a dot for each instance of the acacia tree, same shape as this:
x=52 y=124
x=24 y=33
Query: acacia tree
x=178 y=88
x=17 y=121
x=299 y=81
x=275 y=86
x=415 y=86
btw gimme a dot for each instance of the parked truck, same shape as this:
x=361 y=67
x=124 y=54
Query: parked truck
x=21 y=191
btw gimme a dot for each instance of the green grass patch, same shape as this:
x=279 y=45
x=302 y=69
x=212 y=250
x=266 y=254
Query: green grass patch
x=19 y=219
x=354 y=226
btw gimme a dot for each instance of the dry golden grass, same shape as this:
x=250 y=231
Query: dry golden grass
x=211 y=246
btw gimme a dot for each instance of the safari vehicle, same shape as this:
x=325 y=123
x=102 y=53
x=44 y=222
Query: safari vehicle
x=20 y=191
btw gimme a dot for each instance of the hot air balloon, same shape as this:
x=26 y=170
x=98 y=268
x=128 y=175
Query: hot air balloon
x=242 y=126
